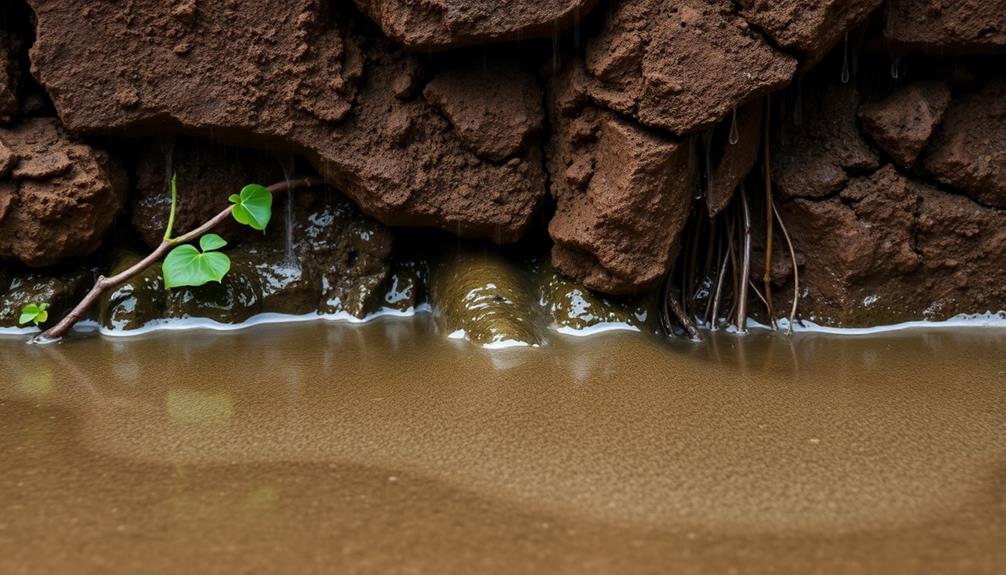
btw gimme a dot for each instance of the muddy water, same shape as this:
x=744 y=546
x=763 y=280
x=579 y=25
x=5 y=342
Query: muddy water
x=389 y=448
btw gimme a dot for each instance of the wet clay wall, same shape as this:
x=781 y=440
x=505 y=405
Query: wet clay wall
x=630 y=141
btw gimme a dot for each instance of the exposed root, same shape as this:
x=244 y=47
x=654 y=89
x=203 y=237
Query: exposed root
x=742 y=294
x=766 y=159
x=796 y=270
x=712 y=318
x=754 y=288
x=672 y=305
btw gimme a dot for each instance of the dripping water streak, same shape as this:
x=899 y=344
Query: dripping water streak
x=734 y=134
x=290 y=259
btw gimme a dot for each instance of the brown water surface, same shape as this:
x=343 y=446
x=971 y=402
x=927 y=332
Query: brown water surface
x=387 y=448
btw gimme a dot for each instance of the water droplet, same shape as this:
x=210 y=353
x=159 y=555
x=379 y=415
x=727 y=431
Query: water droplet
x=845 y=60
x=895 y=67
x=734 y=134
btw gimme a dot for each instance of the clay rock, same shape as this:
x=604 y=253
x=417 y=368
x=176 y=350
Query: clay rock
x=447 y=24
x=958 y=26
x=58 y=196
x=681 y=66
x=808 y=28
x=498 y=124
x=815 y=158
x=206 y=175
x=622 y=197
x=968 y=152
x=735 y=159
x=137 y=303
x=59 y=289
x=856 y=246
x=902 y=123
x=483 y=297
x=571 y=306
x=887 y=249
x=407 y=285
x=334 y=260
x=962 y=245
x=285 y=73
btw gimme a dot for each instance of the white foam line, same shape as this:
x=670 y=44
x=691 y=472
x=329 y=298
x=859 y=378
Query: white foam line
x=260 y=319
x=507 y=344
x=594 y=329
x=459 y=334
x=18 y=331
x=979 y=320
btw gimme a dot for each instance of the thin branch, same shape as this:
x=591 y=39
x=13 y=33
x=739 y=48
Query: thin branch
x=104 y=284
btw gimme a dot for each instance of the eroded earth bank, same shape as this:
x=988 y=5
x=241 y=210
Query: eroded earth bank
x=516 y=166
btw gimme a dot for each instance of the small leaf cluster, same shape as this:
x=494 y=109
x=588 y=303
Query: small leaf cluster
x=33 y=313
x=186 y=265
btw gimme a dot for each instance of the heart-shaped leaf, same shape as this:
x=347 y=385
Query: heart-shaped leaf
x=253 y=206
x=211 y=242
x=187 y=266
x=33 y=313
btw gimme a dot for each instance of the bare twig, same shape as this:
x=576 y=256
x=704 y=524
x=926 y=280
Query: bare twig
x=796 y=271
x=104 y=284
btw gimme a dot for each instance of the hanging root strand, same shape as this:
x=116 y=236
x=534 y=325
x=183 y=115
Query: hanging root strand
x=670 y=305
x=796 y=270
x=767 y=276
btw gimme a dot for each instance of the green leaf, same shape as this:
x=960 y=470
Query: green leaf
x=186 y=266
x=28 y=314
x=253 y=206
x=33 y=313
x=211 y=242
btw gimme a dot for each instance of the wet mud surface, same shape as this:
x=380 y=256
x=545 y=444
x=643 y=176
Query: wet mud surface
x=388 y=448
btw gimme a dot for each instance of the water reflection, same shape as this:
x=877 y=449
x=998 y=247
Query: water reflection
x=770 y=432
